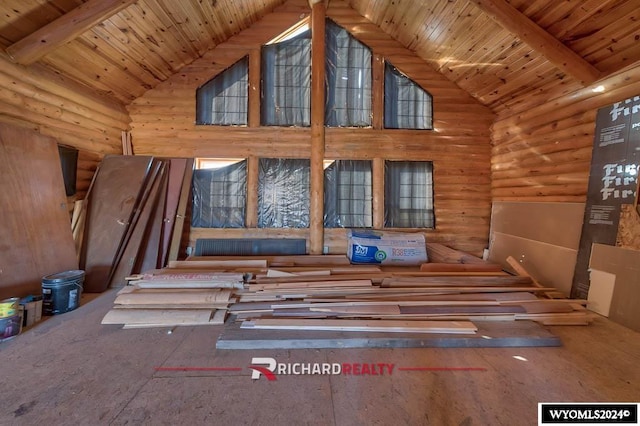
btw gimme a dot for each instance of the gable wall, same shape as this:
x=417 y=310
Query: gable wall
x=163 y=124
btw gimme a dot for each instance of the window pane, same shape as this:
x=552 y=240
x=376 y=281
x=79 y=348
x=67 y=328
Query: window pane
x=219 y=197
x=283 y=193
x=286 y=82
x=223 y=100
x=348 y=79
x=406 y=105
x=347 y=194
x=408 y=194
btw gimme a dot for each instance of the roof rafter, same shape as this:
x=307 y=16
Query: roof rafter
x=538 y=39
x=64 y=29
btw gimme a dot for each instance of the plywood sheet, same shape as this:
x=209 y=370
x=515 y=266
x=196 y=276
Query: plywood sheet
x=550 y=265
x=114 y=196
x=137 y=231
x=625 y=265
x=629 y=228
x=35 y=231
x=557 y=224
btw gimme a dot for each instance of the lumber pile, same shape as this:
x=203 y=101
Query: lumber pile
x=169 y=300
x=326 y=293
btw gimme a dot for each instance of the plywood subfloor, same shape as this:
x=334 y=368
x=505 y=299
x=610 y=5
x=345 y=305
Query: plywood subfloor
x=72 y=370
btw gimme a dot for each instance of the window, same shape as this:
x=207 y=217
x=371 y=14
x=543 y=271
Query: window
x=219 y=194
x=286 y=82
x=348 y=79
x=406 y=105
x=283 y=193
x=408 y=194
x=223 y=100
x=347 y=194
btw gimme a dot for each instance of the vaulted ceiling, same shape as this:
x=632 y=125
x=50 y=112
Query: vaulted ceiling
x=500 y=51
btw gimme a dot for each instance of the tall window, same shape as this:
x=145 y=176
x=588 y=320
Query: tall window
x=406 y=105
x=348 y=79
x=283 y=193
x=408 y=194
x=286 y=82
x=219 y=195
x=223 y=100
x=347 y=194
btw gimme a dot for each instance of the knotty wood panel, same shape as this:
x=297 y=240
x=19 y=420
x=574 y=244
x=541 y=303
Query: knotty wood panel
x=35 y=232
x=163 y=125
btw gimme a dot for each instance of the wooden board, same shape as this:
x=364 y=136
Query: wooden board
x=177 y=168
x=178 y=225
x=114 y=196
x=469 y=281
x=150 y=254
x=217 y=264
x=159 y=316
x=132 y=243
x=490 y=334
x=452 y=327
x=174 y=298
x=460 y=267
x=35 y=236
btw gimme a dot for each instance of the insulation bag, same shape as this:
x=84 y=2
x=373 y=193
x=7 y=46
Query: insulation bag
x=386 y=248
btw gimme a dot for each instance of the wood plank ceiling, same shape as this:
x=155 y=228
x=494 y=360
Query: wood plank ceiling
x=539 y=46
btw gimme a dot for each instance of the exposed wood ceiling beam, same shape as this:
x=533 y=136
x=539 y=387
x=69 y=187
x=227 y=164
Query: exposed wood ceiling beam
x=538 y=39
x=64 y=29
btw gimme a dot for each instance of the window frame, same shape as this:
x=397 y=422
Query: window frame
x=394 y=213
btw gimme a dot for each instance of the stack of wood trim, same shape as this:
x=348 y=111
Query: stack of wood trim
x=359 y=297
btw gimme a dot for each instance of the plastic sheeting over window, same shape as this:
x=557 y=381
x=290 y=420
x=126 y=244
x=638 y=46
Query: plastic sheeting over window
x=283 y=193
x=347 y=194
x=348 y=79
x=219 y=197
x=408 y=194
x=406 y=105
x=286 y=82
x=223 y=100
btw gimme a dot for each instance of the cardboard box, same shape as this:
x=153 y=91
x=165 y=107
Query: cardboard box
x=386 y=248
x=32 y=312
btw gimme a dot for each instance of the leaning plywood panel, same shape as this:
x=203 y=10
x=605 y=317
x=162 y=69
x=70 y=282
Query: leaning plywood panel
x=113 y=198
x=35 y=236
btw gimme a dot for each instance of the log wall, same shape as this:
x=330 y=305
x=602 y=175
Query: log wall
x=542 y=151
x=35 y=98
x=459 y=146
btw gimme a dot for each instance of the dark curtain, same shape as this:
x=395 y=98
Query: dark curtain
x=283 y=193
x=219 y=197
x=348 y=79
x=223 y=100
x=406 y=105
x=286 y=82
x=347 y=194
x=408 y=194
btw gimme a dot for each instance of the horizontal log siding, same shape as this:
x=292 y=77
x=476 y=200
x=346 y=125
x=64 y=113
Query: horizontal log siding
x=542 y=152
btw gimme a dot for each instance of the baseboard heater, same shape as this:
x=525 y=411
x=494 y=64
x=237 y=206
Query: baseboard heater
x=250 y=246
